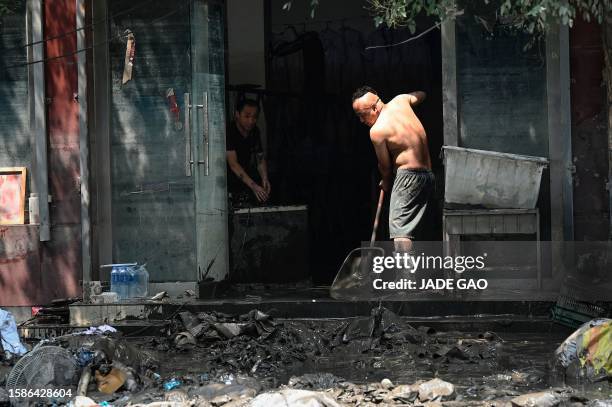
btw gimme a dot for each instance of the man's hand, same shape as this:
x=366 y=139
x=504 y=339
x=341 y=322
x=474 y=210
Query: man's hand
x=385 y=184
x=260 y=193
x=266 y=185
x=416 y=98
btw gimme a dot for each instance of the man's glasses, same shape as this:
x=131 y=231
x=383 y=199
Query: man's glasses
x=366 y=111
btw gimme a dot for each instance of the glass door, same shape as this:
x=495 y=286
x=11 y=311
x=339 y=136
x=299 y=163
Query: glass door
x=169 y=206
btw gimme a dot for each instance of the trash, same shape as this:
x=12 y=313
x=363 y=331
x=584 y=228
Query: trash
x=109 y=297
x=188 y=319
x=82 y=401
x=436 y=390
x=118 y=350
x=404 y=393
x=365 y=334
x=220 y=400
x=172 y=384
x=228 y=378
x=255 y=323
x=98 y=330
x=159 y=296
x=131 y=382
x=110 y=382
x=294 y=398
x=177 y=396
x=315 y=381
x=84 y=382
x=386 y=383
x=542 y=399
x=130 y=51
x=9 y=336
x=84 y=356
x=589 y=349
x=184 y=340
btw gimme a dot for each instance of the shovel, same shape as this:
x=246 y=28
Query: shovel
x=352 y=281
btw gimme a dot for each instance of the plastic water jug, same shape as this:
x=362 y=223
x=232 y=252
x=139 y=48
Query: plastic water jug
x=121 y=280
x=140 y=282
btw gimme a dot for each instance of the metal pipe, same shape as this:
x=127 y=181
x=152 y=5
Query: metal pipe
x=83 y=143
x=39 y=119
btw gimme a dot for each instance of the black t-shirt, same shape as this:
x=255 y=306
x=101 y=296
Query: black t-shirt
x=247 y=149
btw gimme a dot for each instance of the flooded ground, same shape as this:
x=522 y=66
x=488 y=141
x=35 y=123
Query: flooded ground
x=356 y=361
x=504 y=364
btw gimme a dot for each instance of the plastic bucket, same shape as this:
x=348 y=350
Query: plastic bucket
x=491 y=179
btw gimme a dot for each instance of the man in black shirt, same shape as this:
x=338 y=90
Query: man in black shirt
x=247 y=168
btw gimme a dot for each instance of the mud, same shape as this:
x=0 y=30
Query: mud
x=222 y=360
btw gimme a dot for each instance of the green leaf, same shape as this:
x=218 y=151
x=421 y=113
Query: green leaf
x=287 y=6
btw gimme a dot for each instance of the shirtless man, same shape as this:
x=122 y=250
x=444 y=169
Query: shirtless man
x=400 y=143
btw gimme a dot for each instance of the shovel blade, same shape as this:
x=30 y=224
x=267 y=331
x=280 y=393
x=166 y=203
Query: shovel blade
x=353 y=281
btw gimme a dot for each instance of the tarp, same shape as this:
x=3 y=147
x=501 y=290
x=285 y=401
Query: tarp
x=590 y=345
x=8 y=334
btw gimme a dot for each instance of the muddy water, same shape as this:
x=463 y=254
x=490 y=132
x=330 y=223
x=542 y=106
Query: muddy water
x=518 y=363
x=521 y=363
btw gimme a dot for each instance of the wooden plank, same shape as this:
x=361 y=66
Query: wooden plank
x=556 y=147
x=449 y=84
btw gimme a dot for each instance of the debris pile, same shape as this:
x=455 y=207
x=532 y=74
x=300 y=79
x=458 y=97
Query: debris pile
x=256 y=344
x=241 y=360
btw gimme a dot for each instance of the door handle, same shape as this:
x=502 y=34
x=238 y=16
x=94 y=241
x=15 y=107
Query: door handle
x=187 y=131
x=205 y=135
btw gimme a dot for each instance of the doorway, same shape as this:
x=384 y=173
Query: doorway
x=167 y=139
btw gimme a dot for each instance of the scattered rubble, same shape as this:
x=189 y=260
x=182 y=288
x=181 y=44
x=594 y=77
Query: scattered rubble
x=241 y=360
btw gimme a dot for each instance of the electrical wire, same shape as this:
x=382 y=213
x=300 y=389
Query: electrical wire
x=67 y=33
x=118 y=36
x=416 y=37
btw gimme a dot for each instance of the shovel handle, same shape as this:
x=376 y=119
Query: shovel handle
x=381 y=198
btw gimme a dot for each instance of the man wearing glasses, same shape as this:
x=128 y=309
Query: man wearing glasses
x=400 y=144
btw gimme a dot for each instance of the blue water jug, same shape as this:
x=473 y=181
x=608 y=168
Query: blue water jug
x=122 y=279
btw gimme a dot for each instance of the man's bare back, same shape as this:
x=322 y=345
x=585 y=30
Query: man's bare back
x=400 y=144
x=403 y=134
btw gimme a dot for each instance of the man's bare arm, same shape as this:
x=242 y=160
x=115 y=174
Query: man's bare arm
x=232 y=160
x=384 y=160
x=417 y=97
x=262 y=168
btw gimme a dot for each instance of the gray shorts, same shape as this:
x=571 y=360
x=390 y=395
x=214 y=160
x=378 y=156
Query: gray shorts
x=409 y=197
